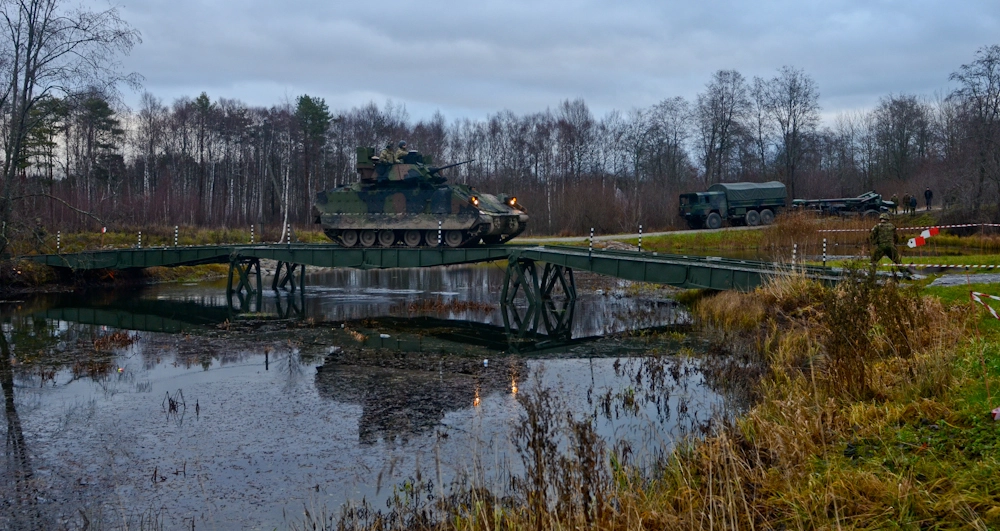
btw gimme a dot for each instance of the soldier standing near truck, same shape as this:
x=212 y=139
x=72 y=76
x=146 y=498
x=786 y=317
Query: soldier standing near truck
x=928 y=195
x=883 y=240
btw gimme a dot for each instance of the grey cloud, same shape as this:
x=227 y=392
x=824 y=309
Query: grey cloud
x=476 y=58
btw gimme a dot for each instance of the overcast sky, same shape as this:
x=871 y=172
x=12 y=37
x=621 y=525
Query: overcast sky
x=474 y=58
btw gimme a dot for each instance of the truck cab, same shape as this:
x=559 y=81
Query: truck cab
x=696 y=207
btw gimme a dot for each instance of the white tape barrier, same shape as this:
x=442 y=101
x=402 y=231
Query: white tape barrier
x=919 y=228
x=977 y=297
x=945 y=266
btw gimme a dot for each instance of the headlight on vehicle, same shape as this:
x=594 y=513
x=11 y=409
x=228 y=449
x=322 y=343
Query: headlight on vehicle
x=474 y=200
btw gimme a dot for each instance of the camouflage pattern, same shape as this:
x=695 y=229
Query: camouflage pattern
x=404 y=202
x=883 y=240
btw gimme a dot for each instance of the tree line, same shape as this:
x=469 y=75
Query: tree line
x=75 y=159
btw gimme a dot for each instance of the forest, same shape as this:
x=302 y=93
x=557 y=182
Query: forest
x=78 y=160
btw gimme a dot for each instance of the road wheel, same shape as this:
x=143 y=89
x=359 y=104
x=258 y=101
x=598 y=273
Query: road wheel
x=694 y=223
x=412 y=238
x=386 y=238
x=349 y=237
x=766 y=216
x=753 y=218
x=431 y=238
x=453 y=238
x=368 y=238
x=713 y=221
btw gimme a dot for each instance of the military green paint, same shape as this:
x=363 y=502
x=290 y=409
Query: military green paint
x=681 y=271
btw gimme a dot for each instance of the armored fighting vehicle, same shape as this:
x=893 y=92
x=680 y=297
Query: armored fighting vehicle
x=410 y=203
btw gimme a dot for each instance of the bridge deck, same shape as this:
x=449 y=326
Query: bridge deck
x=676 y=270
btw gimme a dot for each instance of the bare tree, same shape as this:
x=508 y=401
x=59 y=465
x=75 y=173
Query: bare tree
x=760 y=124
x=719 y=112
x=979 y=98
x=792 y=100
x=901 y=127
x=51 y=49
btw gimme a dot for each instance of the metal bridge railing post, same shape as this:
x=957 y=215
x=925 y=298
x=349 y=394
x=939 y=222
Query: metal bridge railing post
x=251 y=234
x=288 y=233
x=590 y=251
x=824 y=252
x=640 y=238
x=58 y=241
x=140 y=239
x=176 y=230
x=795 y=253
x=439 y=234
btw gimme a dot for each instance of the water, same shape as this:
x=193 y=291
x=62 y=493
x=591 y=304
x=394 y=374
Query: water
x=194 y=414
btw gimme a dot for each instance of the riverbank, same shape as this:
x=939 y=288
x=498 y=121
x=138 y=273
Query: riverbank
x=873 y=411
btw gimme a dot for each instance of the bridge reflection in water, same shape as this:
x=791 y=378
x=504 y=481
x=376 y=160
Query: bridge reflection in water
x=528 y=326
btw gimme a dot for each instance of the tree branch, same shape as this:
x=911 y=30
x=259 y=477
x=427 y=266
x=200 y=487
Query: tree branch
x=69 y=206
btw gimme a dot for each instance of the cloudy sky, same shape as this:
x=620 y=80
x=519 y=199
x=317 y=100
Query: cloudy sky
x=473 y=58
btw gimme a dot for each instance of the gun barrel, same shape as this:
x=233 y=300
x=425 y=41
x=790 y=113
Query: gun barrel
x=435 y=170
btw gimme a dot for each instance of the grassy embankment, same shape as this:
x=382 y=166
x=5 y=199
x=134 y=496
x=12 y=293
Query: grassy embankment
x=970 y=246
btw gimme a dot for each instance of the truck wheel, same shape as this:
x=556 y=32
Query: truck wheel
x=713 y=221
x=766 y=216
x=753 y=218
x=694 y=223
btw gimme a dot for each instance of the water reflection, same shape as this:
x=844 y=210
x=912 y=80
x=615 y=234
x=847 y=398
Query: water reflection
x=311 y=396
x=404 y=395
x=17 y=475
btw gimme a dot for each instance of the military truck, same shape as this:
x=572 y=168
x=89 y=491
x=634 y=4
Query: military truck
x=868 y=204
x=409 y=202
x=740 y=203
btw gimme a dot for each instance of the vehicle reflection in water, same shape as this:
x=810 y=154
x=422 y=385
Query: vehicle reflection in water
x=384 y=370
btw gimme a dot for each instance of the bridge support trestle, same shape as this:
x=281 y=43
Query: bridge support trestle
x=290 y=305
x=284 y=275
x=247 y=288
x=550 y=299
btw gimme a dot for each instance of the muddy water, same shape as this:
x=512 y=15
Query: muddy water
x=166 y=404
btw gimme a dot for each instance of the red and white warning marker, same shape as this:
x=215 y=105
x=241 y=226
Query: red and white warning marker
x=922 y=239
x=978 y=297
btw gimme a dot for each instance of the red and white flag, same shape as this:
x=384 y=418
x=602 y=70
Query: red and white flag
x=922 y=239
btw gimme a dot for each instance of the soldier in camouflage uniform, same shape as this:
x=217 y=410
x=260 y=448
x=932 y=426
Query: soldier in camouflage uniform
x=402 y=151
x=387 y=155
x=883 y=240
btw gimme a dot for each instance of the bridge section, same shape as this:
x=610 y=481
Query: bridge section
x=676 y=270
x=549 y=291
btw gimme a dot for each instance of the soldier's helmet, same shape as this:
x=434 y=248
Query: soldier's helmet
x=883 y=217
x=402 y=144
